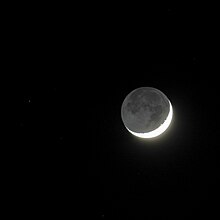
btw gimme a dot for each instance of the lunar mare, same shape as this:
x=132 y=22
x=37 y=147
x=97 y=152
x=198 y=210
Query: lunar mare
x=146 y=112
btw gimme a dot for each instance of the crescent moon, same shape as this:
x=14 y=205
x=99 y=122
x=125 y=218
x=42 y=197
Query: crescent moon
x=158 y=131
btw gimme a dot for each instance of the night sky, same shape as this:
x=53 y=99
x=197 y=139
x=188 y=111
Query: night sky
x=72 y=155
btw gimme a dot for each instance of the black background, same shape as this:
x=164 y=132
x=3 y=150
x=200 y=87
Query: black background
x=72 y=155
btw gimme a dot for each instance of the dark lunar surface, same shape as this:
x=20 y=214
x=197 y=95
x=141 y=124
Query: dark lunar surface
x=144 y=109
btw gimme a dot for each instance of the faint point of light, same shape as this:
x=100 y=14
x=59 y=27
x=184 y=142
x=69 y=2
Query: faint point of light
x=158 y=130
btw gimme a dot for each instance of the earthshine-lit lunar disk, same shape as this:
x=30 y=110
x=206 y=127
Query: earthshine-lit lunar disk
x=146 y=112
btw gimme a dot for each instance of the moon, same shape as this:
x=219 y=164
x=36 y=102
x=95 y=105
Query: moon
x=146 y=112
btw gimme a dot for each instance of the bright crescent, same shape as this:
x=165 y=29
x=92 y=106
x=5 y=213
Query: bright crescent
x=158 y=130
